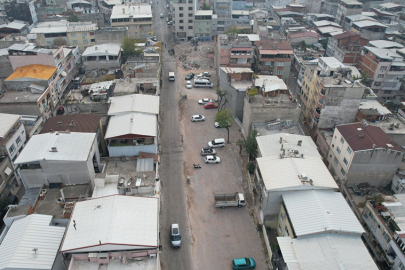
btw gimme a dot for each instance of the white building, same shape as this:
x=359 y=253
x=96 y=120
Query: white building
x=102 y=56
x=59 y=157
x=183 y=18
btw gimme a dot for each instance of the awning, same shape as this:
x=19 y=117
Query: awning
x=271 y=88
x=395 y=64
x=63 y=73
x=276 y=52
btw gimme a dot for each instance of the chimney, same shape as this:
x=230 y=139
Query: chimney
x=361 y=135
x=281 y=139
x=54 y=149
x=374 y=145
x=389 y=146
x=95 y=48
x=299 y=143
x=72 y=124
x=59 y=124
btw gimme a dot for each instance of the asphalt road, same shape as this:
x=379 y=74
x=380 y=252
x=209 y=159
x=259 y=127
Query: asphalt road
x=174 y=208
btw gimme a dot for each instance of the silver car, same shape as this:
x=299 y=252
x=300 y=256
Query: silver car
x=212 y=159
x=204 y=100
x=197 y=118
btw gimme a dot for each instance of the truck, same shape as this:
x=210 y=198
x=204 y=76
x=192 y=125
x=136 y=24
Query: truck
x=227 y=200
x=171 y=76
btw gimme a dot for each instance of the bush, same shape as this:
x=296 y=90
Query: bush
x=251 y=166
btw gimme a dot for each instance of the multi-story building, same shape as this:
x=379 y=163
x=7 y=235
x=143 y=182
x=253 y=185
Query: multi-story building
x=363 y=154
x=370 y=29
x=137 y=18
x=23 y=10
x=329 y=8
x=329 y=96
x=184 y=11
x=203 y=25
x=386 y=68
x=273 y=57
x=347 y=8
x=346 y=47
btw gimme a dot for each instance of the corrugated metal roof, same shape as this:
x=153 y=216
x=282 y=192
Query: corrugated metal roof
x=134 y=103
x=126 y=222
x=332 y=252
x=132 y=123
x=33 y=231
x=236 y=70
x=7 y=122
x=73 y=146
x=144 y=165
x=322 y=212
x=80 y=122
x=283 y=174
x=368 y=23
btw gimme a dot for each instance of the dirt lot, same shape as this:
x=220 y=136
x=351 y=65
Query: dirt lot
x=219 y=235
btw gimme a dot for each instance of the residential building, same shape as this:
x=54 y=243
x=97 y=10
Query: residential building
x=38 y=237
x=133 y=125
x=274 y=57
x=203 y=25
x=371 y=111
x=369 y=29
x=240 y=19
x=385 y=68
x=308 y=36
x=233 y=51
x=137 y=18
x=235 y=81
x=59 y=157
x=329 y=8
x=264 y=24
x=183 y=18
x=329 y=95
x=102 y=56
x=349 y=20
x=129 y=86
x=22 y=11
x=384 y=229
x=8 y=182
x=363 y=154
x=13 y=27
x=347 y=8
x=346 y=47
x=110 y=34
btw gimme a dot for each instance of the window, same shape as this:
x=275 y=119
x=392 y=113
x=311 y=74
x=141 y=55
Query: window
x=345 y=161
x=129 y=34
x=85 y=41
x=387 y=91
x=280 y=72
x=377 y=83
x=380 y=76
x=181 y=27
x=181 y=21
x=48 y=43
x=190 y=8
x=349 y=150
x=342 y=140
x=91 y=33
x=383 y=68
x=343 y=172
x=74 y=42
x=190 y=21
x=338 y=150
x=401 y=266
x=181 y=15
x=180 y=8
x=190 y=1
x=11 y=149
x=279 y=228
x=190 y=14
x=286 y=231
x=282 y=217
x=18 y=140
x=92 y=40
x=84 y=34
x=335 y=160
x=73 y=34
x=135 y=26
x=280 y=64
x=190 y=27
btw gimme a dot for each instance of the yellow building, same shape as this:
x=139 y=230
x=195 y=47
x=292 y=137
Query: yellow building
x=137 y=18
x=81 y=34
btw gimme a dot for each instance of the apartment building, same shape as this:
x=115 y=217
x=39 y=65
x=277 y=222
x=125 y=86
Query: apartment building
x=274 y=57
x=184 y=11
x=203 y=25
x=369 y=29
x=137 y=18
x=363 y=154
x=329 y=96
x=386 y=68
x=346 y=47
x=347 y=8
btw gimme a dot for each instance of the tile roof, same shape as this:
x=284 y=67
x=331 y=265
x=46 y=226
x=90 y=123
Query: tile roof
x=87 y=123
x=33 y=71
x=370 y=135
x=273 y=45
x=304 y=34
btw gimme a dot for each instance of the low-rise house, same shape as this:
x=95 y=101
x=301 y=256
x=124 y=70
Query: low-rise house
x=371 y=30
x=347 y=8
x=59 y=157
x=13 y=27
x=296 y=38
x=349 y=20
x=363 y=154
x=346 y=47
x=102 y=56
x=372 y=111
x=129 y=86
x=240 y=19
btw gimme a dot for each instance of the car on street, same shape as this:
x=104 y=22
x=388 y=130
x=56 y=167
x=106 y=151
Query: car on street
x=205 y=74
x=204 y=101
x=188 y=85
x=190 y=76
x=154 y=38
x=217 y=125
x=210 y=105
x=161 y=15
x=217 y=143
x=212 y=159
x=208 y=151
x=170 y=23
x=197 y=118
x=167 y=19
x=243 y=263
x=175 y=236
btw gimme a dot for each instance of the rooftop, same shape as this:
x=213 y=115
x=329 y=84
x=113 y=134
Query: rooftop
x=103 y=49
x=303 y=34
x=351 y=2
x=80 y=122
x=324 y=212
x=397 y=210
x=230 y=70
x=13 y=25
x=203 y=12
x=372 y=107
x=391 y=125
x=270 y=83
x=12 y=96
x=385 y=44
x=274 y=47
x=251 y=37
x=391 y=5
x=113 y=223
x=124 y=11
x=330 y=30
x=345 y=35
x=331 y=62
x=7 y=121
x=144 y=264
x=33 y=71
x=326 y=23
x=133 y=123
x=74 y=146
x=361 y=137
x=130 y=85
x=25 y=235
x=360 y=17
x=369 y=23
x=134 y=103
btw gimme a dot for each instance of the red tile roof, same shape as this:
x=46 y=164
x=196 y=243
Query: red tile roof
x=361 y=137
x=148 y=155
x=303 y=34
x=88 y=123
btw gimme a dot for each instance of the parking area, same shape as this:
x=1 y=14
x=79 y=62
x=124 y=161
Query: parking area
x=218 y=235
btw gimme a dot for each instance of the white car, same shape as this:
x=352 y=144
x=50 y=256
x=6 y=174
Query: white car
x=212 y=159
x=200 y=77
x=188 y=85
x=204 y=100
x=175 y=236
x=161 y=15
x=218 y=126
x=197 y=118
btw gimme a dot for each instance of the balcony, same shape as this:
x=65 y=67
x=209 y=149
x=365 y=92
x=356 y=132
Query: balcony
x=322 y=93
x=318 y=112
x=319 y=103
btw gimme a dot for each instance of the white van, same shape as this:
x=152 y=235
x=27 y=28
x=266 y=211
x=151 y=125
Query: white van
x=217 y=143
x=171 y=76
x=203 y=83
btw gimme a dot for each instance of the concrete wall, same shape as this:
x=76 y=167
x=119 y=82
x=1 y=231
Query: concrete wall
x=30 y=108
x=24 y=82
x=6 y=68
x=95 y=107
x=118 y=151
x=41 y=58
x=88 y=65
x=235 y=98
x=106 y=35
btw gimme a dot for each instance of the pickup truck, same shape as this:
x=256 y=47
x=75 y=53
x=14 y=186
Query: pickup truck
x=227 y=200
x=208 y=151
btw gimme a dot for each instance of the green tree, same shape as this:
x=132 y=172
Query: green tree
x=223 y=118
x=128 y=48
x=324 y=43
x=73 y=18
x=303 y=45
x=240 y=143
x=205 y=6
x=250 y=145
x=59 y=41
x=222 y=100
x=233 y=31
x=251 y=166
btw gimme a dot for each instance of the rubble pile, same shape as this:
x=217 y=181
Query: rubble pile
x=189 y=58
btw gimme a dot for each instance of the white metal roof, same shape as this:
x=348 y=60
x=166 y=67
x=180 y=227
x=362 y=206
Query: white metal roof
x=384 y=53
x=326 y=23
x=251 y=37
x=385 y=44
x=25 y=234
x=7 y=122
x=368 y=23
x=118 y=222
x=332 y=252
x=134 y=103
x=123 y=11
x=332 y=62
x=367 y=104
x=284 y=174
x=132 y=123
x=330 y=30
x=390 y=5
x=270 y=146
x=324 y=211
x=103 y=49
x=73 y=146
x=267 y=80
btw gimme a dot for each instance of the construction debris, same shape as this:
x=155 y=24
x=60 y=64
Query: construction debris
x=195 y=57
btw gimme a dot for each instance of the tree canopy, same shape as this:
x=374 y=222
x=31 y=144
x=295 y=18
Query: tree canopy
x=223 y=118
x=205 y=6
x=59 y=41
x=222 y=100
x=73 y=18
x=250 y=144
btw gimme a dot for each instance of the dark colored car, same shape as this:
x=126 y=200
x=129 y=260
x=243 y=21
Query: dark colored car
x=190 y=76
x=60 y=111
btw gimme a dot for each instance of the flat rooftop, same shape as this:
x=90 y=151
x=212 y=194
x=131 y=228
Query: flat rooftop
x=392 y=125
x=242 y=85
x=333 y=82
x=144 y=264
x=125 y=169
x=11 y=96
x=262 y=129
x=280 y=101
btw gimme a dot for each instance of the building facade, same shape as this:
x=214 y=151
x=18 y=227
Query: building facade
x=184 y=11
x=346 y=47
x=137 y=18
x=203 y=25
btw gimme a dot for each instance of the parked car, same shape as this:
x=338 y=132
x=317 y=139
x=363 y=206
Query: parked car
x=205 y=74
x=188 y=85
x=210 y=105
x=197 y=118
x=204 y=101
x=243 y=263
x=154 y=38
x=208 y=151
x=190 y=76
x=161 y=15
x=216 y=124
x=212 y=159
x=200 y=77
x=175 y=236
x=217 y=143
x=170 y=23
